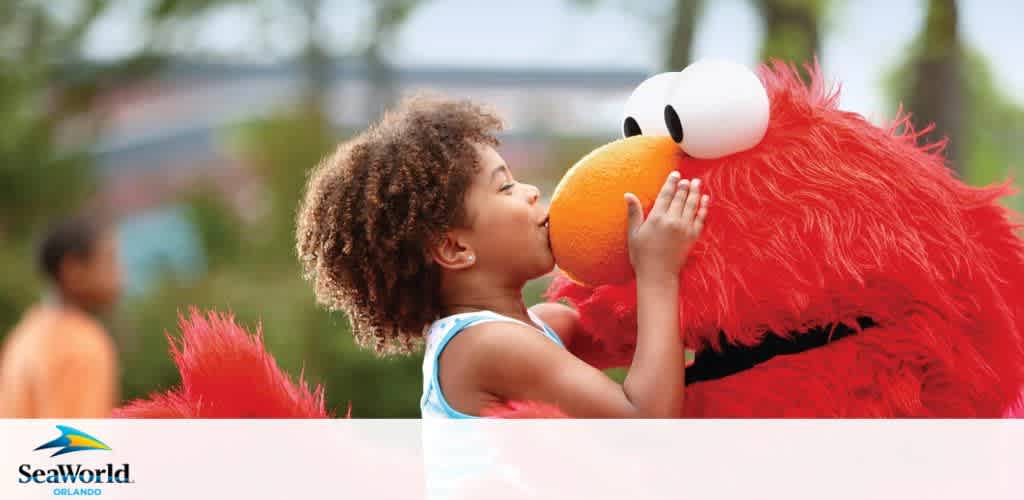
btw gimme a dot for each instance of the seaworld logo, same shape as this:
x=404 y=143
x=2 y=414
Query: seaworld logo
x=72 y=440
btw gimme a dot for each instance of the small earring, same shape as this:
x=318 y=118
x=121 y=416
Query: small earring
x=470 y=258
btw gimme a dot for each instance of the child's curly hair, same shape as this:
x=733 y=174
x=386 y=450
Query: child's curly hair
x=374 y=208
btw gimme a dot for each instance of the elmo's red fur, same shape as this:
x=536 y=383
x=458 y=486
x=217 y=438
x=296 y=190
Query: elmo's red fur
x=828 y=219
x=227 y=373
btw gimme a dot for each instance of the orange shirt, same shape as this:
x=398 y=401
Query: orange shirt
x=58 y=362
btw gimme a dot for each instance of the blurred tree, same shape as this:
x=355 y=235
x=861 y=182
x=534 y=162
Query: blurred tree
x=991 y=123
x=38 y=176
x=18 y=284
x=48 y=121
x=47 y=92
x=683 y=18
x=218 y=225
x=388 y=17
x=936 y=92
x=316 y=63
x=792 y=29
x=282 y=148
x=46 y=130
x=682 y=32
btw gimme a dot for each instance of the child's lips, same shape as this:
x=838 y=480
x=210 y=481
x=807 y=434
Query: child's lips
x=547 y=234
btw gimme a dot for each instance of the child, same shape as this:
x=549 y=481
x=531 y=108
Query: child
x=417 y=228
x=59 y=362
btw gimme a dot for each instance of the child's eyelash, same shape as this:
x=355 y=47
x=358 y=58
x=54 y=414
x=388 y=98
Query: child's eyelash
x=506 y=187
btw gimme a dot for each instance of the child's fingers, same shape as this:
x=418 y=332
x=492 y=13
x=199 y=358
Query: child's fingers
x=634 y=212
x=702 y=212
x=665 y=196
x=679 y=199
x=690 y=208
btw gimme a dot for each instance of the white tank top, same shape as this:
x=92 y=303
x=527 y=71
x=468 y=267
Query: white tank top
x=433 y=403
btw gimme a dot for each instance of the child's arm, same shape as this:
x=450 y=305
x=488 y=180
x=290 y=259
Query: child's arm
x=565 y=321
x=658 y=247
x=512 y=362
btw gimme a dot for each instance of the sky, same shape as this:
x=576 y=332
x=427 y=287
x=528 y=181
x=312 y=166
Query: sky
x=864 y=38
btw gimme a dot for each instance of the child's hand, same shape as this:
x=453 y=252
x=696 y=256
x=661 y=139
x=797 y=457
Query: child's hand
x=660 y=244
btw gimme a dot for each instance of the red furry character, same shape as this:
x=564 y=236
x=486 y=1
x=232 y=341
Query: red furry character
x=844 y=272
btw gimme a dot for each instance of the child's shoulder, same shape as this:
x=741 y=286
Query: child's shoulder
x=498 y=346
x=478 y=328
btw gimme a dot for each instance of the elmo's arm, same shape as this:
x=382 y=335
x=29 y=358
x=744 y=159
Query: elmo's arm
x=602 y=326
x=603 y=322
x=565 y=321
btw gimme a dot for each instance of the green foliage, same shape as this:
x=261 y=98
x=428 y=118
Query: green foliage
x=993 y=124
x=282 y=149
x=218 y=226
x=38 y=176
x=44 y=169
x=18 y=285
x=565 y=151
x=792 y=29
x=682 y=32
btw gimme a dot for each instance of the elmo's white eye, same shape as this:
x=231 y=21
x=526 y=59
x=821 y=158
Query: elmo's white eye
x=715 y=109
x=645 y=106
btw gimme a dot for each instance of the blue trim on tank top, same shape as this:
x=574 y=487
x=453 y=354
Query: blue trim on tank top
x=461 y=324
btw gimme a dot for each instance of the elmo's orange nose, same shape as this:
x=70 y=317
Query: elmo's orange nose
x=588 y=211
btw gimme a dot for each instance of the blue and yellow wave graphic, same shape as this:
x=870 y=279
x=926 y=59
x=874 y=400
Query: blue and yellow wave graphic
x=71 y=440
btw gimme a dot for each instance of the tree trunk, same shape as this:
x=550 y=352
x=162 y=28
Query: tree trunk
x=684 y=29
x=315 y=61
x=936 y=88
x=791 y=30
x=381 y=79
x=388 y=17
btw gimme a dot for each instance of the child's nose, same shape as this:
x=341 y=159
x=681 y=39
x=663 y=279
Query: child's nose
x=533 y=194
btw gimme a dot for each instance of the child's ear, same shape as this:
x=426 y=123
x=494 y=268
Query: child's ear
x=453 y=252
x=72 y=269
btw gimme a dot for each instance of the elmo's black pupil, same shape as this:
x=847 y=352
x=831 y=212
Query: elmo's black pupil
x=630 y=127
x=675 y=128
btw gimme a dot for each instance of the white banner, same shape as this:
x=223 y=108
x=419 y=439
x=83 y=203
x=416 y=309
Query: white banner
x=408 y=459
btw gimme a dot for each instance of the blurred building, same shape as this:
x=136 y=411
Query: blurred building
x=164 y=135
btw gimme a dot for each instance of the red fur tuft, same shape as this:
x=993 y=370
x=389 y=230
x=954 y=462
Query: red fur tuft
x=523 y=410
x=1017 y=411
x=828 y=219
x=227 y=373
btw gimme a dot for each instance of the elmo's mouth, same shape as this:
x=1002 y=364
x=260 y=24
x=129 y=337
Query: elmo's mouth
x=732 y=359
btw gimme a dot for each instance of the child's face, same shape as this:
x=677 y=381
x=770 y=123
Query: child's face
x=95 y=279
x=508 y=222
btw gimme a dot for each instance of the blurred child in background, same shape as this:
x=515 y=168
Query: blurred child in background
x=59 y=361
